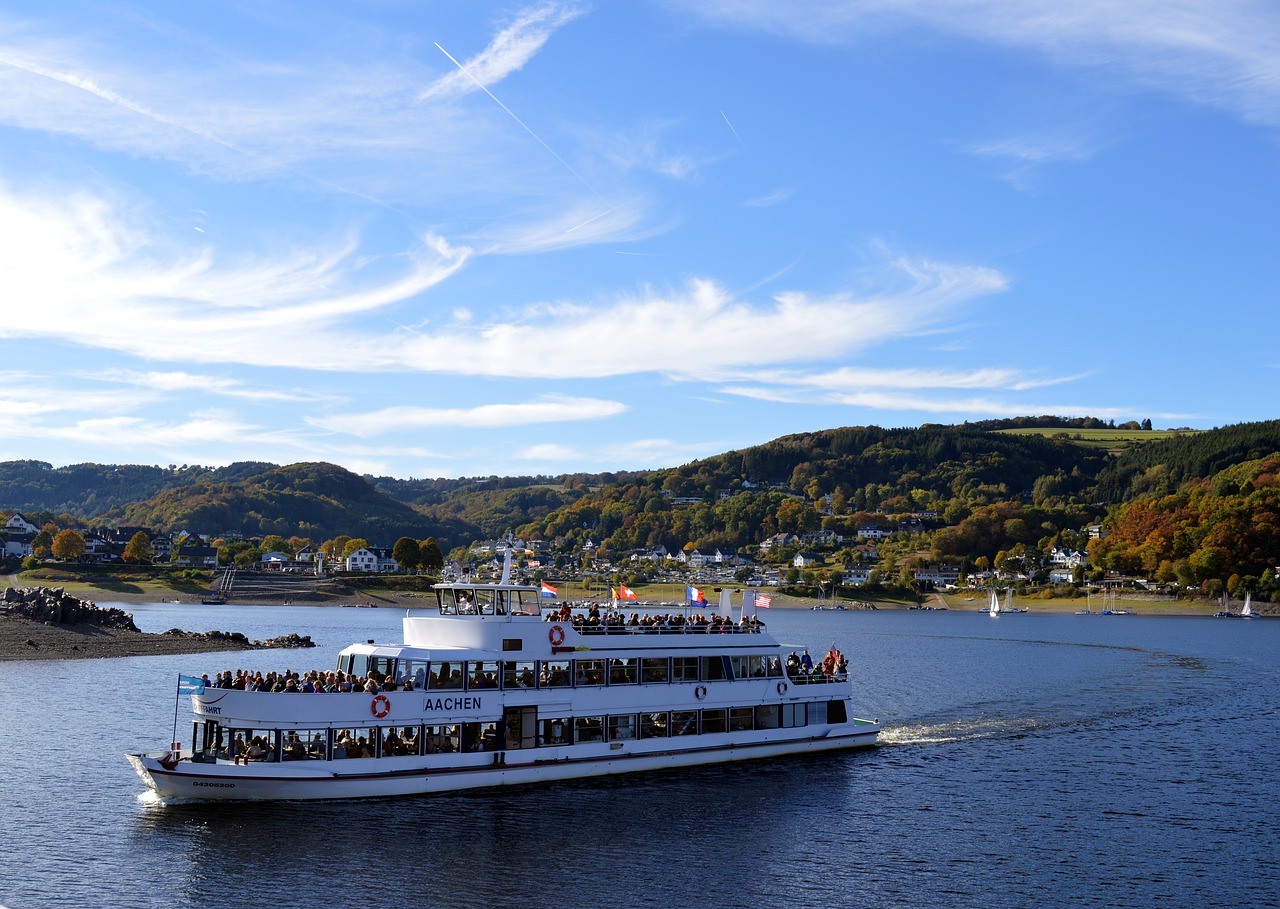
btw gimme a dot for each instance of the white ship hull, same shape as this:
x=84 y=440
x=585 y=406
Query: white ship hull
x=447 y=773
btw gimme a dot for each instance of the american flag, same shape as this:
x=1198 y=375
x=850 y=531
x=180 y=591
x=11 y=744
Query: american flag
x=763 y=601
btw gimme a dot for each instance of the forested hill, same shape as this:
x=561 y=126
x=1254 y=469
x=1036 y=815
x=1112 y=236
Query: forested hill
x=836 y=478
x=1163 y=466
x=89 y=490
x=316 y=501
x=741 y=497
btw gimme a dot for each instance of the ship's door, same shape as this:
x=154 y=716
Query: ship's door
x=521 y=726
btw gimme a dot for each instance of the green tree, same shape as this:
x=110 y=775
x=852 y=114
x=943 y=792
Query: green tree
x=406 y=553
x=430 y=558
x=41 y=543
x=139 y=549
x=68 y=546
x=276 y=543
x=354 y=544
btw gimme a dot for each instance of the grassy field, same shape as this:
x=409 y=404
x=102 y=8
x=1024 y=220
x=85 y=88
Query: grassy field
x=1113 y=440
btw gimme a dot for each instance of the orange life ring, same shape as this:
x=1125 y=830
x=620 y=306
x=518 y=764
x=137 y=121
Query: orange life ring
x=782 y=688
x=556 y=634
x=381 y=706
x=700 y=692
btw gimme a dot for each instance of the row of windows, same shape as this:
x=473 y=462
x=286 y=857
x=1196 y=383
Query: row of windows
x=521 y=729
x=476 y=675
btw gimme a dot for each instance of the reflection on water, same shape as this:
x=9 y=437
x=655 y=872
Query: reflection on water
x=1047 y=761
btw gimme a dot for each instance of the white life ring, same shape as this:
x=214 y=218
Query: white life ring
x=556 y=634
x=782 y=688
x=700 y=692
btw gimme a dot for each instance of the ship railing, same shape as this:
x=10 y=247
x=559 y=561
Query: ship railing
x=818 y=678
x=659 y=629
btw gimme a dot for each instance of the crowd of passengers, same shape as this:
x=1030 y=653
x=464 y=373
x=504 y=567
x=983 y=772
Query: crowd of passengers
x=314 y=681
x=346 y=744
x=802 y=668
x=613 y=620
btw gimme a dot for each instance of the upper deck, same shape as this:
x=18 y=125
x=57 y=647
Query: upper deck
x=517 y=618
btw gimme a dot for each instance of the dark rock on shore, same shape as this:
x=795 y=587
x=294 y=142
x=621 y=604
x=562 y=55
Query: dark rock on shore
x=46 y=623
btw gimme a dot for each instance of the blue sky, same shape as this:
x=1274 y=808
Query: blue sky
x=461 y=238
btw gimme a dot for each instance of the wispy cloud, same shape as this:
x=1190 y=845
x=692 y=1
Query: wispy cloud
x=547 y=409
x=1225 y=53
x=310 y=309
x=508 y=52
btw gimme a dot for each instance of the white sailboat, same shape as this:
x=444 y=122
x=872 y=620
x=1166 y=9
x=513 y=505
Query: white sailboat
x=993 y=608
x=1247 y=612
x=1088 y=603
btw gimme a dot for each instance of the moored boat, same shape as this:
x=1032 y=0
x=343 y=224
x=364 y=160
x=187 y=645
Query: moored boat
x=500 y=689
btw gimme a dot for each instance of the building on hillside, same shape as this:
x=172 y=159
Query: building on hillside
x=937 y=575
x=20 y=524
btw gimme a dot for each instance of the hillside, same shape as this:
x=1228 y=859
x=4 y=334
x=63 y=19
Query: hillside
x=317 y=501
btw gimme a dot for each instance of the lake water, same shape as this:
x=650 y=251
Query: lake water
x=1028 y=760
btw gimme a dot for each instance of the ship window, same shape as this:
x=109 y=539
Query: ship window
x=653 y=725
x=713 y=720
x=768 y=716
x=740 y=666
x=836 y=712
x=741 y=719
x=817 y=713
x=555 y=674
x=303 y=745
x=484 y=674
x=447 y=675
x=622 y=672
x=358 y=663
x=588 y=672
x=794 y=715
x=555 y=732
x=655 y=669
x=383 y=666
x=775 y=668
x=398 y=741
x=436 y=740
x=684 y=669
x=757 y=667
x=684 y=722
x=357 y=742
x=484 y=601
x=253 y=744
x=622 y=728
x=415 y=670
x=518 y=674
x=713 y=668
x=509 y=644
x=588 y=729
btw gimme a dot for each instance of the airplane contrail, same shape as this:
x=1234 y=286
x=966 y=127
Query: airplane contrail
x=511 y=114
x=731 y=129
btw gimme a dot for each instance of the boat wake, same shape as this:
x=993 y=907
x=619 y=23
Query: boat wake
x=948 y=732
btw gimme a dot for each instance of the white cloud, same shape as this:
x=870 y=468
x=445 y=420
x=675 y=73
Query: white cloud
x=508 y=52
x=1225 y=53
x=310 y=309
x=547 y=409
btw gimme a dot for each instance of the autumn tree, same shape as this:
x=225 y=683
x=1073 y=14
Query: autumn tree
x=430 y=558
x=139 y=548
x=352 y=545
x=406 y=553
x=41 y=543
x=68 y=546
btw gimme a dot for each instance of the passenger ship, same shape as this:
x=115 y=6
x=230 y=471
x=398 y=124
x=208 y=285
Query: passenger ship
x=499 y=690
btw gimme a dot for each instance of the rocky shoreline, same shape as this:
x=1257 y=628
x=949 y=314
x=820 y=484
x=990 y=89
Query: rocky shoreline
x=47 y=623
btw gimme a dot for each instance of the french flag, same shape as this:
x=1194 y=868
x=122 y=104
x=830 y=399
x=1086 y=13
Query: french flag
x=548 y=590
x=694 y=595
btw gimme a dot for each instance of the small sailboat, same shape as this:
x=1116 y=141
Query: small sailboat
x=1088 y=603
x=993 y=607
x=1247 y=612
x=1225 y=612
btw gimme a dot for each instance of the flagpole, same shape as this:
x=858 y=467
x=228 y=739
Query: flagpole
x=177 y=694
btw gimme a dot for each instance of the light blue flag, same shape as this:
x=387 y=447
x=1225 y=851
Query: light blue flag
x=190 y=685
